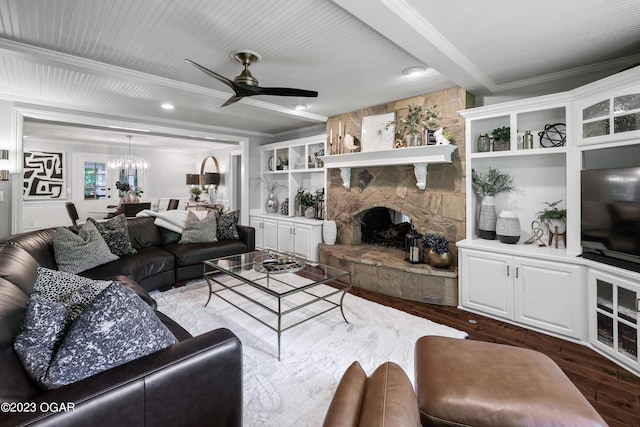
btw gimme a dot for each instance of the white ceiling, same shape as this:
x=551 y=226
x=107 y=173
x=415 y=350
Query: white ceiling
x=124 y=58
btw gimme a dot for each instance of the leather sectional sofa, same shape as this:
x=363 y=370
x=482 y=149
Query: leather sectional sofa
x=197 y=381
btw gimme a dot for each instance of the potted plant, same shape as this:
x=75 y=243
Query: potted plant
x=437 y=250
x=305 y=200
x=501 y=138
x=488 y=186
x=554 y=218
x=413 y=126
x=196 y=191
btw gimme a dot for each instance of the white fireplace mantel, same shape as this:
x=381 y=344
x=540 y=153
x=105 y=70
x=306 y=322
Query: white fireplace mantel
x=419 y=157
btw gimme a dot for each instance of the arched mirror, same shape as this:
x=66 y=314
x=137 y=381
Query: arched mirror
x=209 y=173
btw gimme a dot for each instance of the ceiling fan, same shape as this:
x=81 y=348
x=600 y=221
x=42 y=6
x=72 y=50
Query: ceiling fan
x=246 y=85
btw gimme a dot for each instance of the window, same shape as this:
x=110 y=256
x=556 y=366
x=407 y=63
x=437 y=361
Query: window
x=95 y=180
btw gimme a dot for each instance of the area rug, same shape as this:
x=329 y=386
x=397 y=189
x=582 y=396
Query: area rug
x=297 y=390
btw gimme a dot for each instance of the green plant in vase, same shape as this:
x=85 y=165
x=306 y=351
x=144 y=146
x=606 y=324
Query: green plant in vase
x=413 y=126
x=554 y=218
x=501 y=138
x=196 y=191
x=488 y=186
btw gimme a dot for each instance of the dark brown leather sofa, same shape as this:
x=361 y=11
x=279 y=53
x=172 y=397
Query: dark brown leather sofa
x=197 y=381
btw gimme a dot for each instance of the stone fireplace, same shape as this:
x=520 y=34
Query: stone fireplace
x=439 y=208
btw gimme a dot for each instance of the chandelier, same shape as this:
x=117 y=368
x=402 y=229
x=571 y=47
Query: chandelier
x=129 y=163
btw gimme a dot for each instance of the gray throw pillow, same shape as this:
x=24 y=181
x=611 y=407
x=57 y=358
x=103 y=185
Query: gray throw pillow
x=198 y=230
x=116 y=234
x=76 y=253
x=42 y=331
x=116 y=328
x=227 y=225
x=75 y=292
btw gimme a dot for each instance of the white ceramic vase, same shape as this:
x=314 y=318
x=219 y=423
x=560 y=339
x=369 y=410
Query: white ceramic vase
x=488 y=218
x=329 y=231
x=508 y=227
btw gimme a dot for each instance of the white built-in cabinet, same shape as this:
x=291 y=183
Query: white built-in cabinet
x=292 y=164
x=550 y=289
x=296 y=234
x=530 y=291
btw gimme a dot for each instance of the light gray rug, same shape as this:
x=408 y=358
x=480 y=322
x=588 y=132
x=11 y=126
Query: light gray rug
x=297 y=390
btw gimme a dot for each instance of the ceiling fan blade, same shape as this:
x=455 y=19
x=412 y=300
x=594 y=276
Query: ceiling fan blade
x=285 y=91
x=232 y=100
x=213 y=74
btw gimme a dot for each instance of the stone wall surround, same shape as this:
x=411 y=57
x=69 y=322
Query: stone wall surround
x=440 y=208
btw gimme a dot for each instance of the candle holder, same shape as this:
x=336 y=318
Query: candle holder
x=414 y=253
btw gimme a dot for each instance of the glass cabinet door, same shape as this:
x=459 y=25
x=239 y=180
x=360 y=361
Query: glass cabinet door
x=616 y=316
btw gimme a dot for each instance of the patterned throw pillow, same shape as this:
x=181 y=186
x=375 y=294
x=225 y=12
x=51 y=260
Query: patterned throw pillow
x=75 y=292
x=198 y=230
x=227 y=226
x=42 y=331
x=116 y=234
x=76 y=253
x=116 y=328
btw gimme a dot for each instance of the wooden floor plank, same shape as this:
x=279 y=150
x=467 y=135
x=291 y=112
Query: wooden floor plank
x=613 y=391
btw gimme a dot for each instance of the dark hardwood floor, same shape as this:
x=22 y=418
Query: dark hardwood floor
x=613 y=391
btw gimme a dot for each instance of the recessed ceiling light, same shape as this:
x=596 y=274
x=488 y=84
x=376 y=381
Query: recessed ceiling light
x=167 y=106
x=413 y=71
x=299 y=107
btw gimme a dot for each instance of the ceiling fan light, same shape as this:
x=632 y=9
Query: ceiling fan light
x=168 y=106
x=299 y=107
x=414 y=71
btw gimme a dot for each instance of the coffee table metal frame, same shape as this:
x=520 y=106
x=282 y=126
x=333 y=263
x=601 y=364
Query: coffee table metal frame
x=217 y=268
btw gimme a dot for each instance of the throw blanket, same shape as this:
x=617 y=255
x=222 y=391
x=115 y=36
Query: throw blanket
x=171 y=220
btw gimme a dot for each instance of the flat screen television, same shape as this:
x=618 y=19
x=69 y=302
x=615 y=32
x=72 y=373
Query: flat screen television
x=610 y=207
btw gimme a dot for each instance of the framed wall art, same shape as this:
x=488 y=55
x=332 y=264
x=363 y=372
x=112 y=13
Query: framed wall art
x=374 y=135
x=43 y=175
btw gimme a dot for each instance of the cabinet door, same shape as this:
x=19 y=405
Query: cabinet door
x=487 y=285
x=303 y=242
x=613 y=316
x=257 y=223
x=270 y=228
x=550 y=296
x=285 y=236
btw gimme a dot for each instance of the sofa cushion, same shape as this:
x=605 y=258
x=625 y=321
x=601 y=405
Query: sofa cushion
x=147 y=262
x=116 y=234
x=143 y=233
x=76 y=253
x=198 y=230
x=116 y=328
x=226 y=225
x=75 y=292
x=195 y=253
x=344 y=409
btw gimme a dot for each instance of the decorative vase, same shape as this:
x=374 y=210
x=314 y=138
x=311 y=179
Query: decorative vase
x=284 y=207
x=301 y=209
x=310 y=212
x=437 y=260
x=552 y=224
x=508 y=227
x=414 y=139
x=329 y=231
x=271 y=205
x=488 y=217
x=484 y=143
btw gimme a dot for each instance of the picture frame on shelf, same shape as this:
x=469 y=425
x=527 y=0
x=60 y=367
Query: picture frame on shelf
x=376 y=135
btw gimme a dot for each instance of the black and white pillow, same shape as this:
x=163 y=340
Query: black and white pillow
x=79 y=252
x=75 y=292
x=116 y=328
x=42 y=332
x=227 y=223
x=116 y=234
x=198 y=230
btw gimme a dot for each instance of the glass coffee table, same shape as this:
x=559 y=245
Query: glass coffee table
x=280 y=284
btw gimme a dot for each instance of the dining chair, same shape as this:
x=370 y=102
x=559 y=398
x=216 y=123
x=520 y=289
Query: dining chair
x=73 y=213
x=131 y=209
